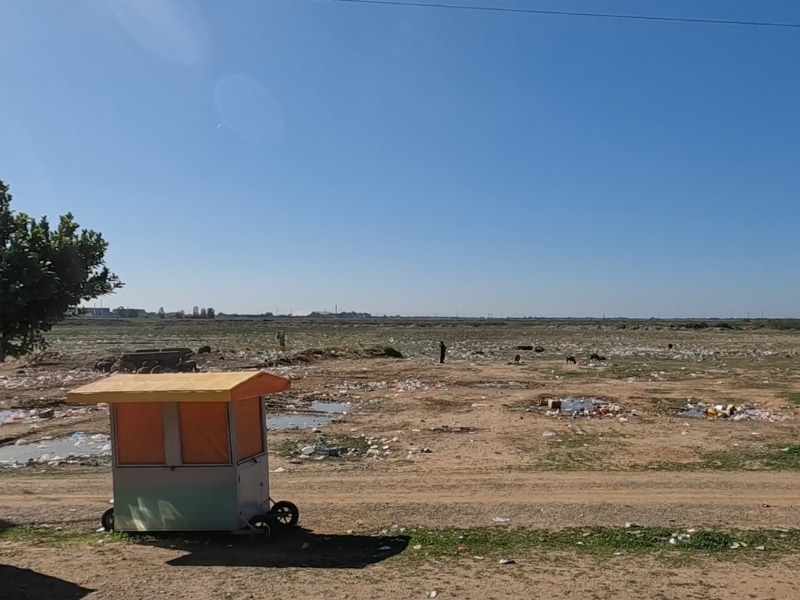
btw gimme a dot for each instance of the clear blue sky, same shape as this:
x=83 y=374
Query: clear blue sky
x=265 y=154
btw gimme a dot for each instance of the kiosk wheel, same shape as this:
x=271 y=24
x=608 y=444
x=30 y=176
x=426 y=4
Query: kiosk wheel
x=285 y=513
x=260 y=523
x=107 y=520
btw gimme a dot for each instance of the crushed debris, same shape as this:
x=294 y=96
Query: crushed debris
x=743 y=412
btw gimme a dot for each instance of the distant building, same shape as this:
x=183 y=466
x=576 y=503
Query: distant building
x=342 y=315
x=130 y=313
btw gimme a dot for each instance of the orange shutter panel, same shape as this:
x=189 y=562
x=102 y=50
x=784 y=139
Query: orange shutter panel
x=249 y=428
x=139 y=433
x=204 y=433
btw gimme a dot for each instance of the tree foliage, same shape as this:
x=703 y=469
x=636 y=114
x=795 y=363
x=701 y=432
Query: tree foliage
x=43 y=272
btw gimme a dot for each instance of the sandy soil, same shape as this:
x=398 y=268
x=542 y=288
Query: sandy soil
x=491 y=454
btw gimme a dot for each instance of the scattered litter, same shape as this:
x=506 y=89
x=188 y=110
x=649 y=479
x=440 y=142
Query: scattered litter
x=549 y=434
x=507 y=561
x=501 y=519
x=279 y=470
x=34 y=415
x=577 y=407
x=433 y=594
x=416 y=547
x=743 y=412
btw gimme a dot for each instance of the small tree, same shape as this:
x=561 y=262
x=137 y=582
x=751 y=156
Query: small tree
x=44 y=271
x=161 y=314
x=203 y=313
x=210 y=313
x=195 y=312
x=180 y=314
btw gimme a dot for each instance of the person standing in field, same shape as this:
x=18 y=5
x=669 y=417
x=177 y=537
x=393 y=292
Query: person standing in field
x=282 y=339
x=442 y=351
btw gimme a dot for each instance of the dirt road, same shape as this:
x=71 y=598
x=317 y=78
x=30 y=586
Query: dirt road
x=334 y=503
x=337 y=502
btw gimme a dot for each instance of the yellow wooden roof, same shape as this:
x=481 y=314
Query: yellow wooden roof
x=179 y=387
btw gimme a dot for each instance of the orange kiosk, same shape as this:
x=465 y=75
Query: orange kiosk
x=189 y=451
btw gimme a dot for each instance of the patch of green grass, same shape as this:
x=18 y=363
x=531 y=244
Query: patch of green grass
x=498 y=541
x=354 y=446
x=793 y=397
x=773 y=458
x=52 y=535
x=502 y=541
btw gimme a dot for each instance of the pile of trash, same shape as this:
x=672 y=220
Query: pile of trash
x=577 y=407
x=743 y=412
x=339 y=447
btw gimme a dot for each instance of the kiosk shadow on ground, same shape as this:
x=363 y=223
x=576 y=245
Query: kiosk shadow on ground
x=295 y=548
x=24 y=584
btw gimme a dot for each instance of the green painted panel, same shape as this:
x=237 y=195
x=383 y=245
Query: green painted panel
x=178 y=507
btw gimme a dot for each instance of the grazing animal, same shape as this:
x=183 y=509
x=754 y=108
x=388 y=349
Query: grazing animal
x=516 y=359
x=104 y=366
x=204 y=350
x=524 y=347
x=125 y=366
x=187 y=366
x=596 y=356
x=571 y=360
x=670 y=346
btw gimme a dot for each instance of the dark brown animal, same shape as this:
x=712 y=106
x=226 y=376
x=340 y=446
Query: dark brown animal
x=516 y=359
x=204 y=350
x=187 y=366
x=596 y=356
x=571 y=360
x=104 y=366
x=670 y=346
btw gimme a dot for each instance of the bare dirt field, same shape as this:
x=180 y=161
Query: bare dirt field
x=445 y=469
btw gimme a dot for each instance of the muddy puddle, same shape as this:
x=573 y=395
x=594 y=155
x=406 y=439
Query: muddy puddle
x=319 y=414
x=70 y=449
